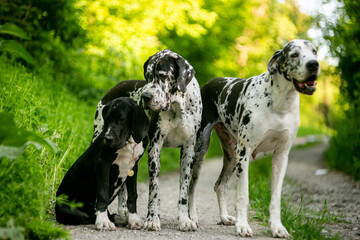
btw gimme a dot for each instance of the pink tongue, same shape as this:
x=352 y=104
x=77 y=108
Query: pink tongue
x=309 y=83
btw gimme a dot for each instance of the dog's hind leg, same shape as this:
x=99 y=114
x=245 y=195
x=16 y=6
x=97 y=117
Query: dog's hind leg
x=201 y=147
x=69 y=216
x=228 y=145
x=123 y=213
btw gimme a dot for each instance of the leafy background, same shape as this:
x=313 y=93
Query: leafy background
x=79 y=49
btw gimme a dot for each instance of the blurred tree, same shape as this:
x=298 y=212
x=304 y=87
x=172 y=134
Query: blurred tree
x=343 y=36
x=235 y=38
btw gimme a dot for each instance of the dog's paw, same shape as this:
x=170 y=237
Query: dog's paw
x=122 y=217
x=135 y=222
x=195 y=219
x=228 y=220
x=103 y=222
x=152 y=224
x=186 y=224
x=279 y=231
x=243 y=229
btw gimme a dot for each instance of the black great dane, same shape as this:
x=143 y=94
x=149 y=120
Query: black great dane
x=96 y=177
x=171 y=94
x=254 y=115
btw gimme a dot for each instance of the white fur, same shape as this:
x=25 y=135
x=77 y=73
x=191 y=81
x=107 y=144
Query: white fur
x=103 y=222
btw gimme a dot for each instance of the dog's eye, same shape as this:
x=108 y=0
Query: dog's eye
x=314 y=51
x=294 y=55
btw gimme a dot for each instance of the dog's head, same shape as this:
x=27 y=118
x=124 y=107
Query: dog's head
x=298 y=63
x=166 y=73
x=123 y=118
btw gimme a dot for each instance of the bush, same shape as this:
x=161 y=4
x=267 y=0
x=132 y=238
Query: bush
x=343 y=152
x=45 y=107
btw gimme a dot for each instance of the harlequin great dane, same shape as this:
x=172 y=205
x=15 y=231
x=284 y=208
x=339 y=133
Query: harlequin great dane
x=254 y=115
x=96 y=177
x=171 y=94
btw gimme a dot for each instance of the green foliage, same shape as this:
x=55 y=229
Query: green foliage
x=28 y=184
x=13 y=141
x=342 y=34
x=11 y=232
x=13 y=46
x=343 y=152
x=297 y=220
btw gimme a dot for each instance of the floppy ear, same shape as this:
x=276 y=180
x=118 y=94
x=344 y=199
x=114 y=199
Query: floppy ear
x=273 y=63
x=140 y=123
x=186 y=73
x=105 y=109
x=146 y=76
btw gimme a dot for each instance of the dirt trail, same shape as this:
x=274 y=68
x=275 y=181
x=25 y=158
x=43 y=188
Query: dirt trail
x=342 y=194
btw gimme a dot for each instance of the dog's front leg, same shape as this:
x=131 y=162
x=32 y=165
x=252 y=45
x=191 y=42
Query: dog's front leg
x=279 y=165
x=153 y=217
x=135 y=222
x=102 y=170
x=242 y=200
x=187 y=155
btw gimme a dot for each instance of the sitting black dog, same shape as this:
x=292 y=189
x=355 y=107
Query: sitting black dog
x=96 y=177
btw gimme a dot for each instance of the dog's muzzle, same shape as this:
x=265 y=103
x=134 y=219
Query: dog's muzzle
x=308 y=86
x=147 y=102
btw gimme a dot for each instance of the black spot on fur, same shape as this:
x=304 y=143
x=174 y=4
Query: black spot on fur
x=246 y=119
x=234 y=95
x=243 y=151
x=183 y=201
x=96 y=114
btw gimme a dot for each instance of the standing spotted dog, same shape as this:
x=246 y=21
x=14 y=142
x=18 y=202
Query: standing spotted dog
x=254 y=115
x=171 y=94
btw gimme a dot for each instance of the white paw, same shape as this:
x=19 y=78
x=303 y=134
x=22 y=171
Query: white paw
x=195 y=219
x=152 y=224
x=228 y=220
x=135 y=222
x=279 y=231
x=243 y=229
x=103 y=222
x=186 y=224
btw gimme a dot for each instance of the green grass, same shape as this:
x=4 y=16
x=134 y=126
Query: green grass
x=28 y=184
x=300 y=222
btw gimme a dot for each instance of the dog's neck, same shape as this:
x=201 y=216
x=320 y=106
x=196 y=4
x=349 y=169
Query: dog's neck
x=284 y=95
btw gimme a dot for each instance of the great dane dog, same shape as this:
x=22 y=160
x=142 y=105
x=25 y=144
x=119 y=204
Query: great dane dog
x=171 y=94
x=96 y=177
x=254 y=115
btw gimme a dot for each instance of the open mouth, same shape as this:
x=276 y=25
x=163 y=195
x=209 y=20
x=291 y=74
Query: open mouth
x=308 y=86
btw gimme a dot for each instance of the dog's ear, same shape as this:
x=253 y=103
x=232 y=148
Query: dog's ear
x=186 y=73
x=146 y=74
x=140 y=123
x=105 y=109
x=273 y=63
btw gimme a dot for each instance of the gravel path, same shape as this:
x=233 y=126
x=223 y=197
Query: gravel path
x=342 y=194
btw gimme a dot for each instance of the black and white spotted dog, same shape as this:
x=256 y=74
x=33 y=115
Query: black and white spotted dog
x=171 y=94
x=255 y=115
x=96 y=177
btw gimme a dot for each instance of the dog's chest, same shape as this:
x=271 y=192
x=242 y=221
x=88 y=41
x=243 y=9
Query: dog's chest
x=127 y=157
x=178 y=125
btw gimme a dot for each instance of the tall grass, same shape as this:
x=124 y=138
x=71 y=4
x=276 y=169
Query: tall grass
x=300 y=223
x=27 y=184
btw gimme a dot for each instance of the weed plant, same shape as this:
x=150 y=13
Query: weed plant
x=297 y=221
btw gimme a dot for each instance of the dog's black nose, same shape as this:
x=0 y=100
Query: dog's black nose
x=146 y=96
x=312 y=65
